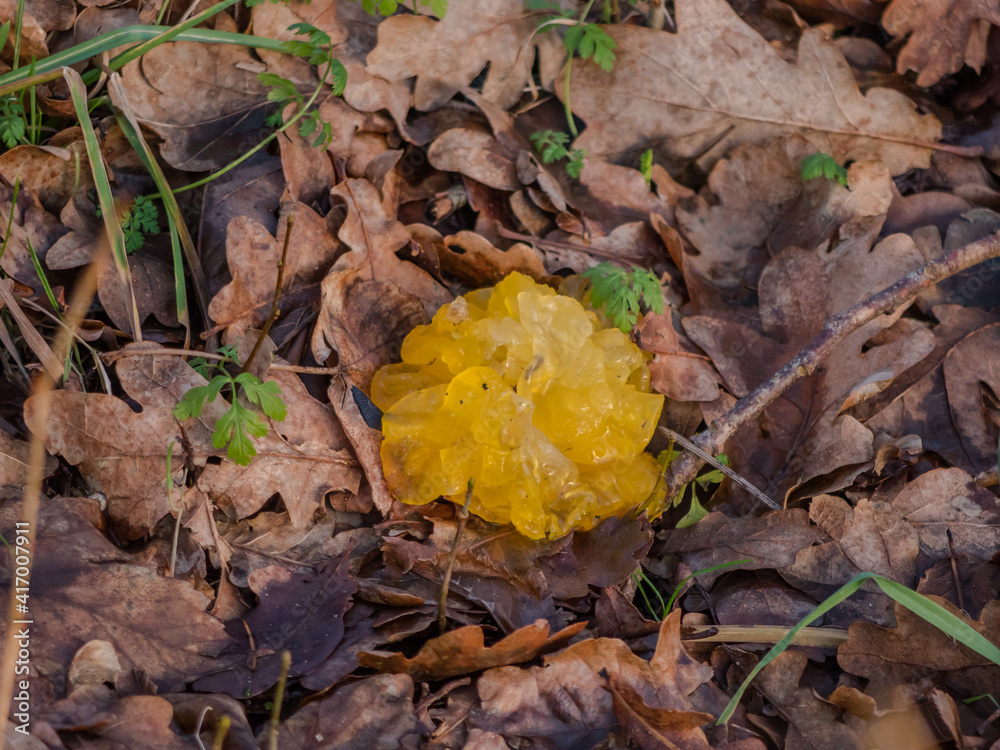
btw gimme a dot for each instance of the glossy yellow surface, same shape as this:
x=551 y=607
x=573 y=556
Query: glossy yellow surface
x=531 y=395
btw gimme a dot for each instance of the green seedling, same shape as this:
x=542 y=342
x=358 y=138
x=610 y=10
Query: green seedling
x=643 y=583
x=919 y=604
x=235 y=428
x=142 y=219
x=823 y=165
x=318 y=50
x=622 y=293
x=12 y=125
x=551 y=144
x=646 y=166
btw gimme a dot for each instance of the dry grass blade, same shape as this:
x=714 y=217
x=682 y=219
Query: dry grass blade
x=79 y=304
x=52 y=363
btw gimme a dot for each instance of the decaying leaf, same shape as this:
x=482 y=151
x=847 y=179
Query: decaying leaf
x=122 y=453
x=84 y=588
x=717 y=83
x=446 y=55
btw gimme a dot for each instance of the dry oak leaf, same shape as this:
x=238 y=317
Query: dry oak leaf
x=445 y=56
x=951 y=514
x=771 y=540
x=915 y=649
x=871 y=537
x=717 y=83
x=533 y=703
x=476 y=261
x=84 y=588
x=122 y=453
x=254 y=255
x=375 y=713
x=942 y=35
x=462 y=651
x=302 y=613
x=812 y=722
x=204 y=100
x=14 y=465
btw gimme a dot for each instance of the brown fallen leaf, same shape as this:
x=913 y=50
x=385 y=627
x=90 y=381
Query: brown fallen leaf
x=376 y=712
x=30 y=224
x=647 y=726
x=871 y=537
x=446 y=55
x=969 y=376
x=531 y=703
x=254 y=255
x=812 y=722
x=14 y=465
x=474 y=260
x=462 y=651
x=122 y=453
x=202 y=99
x=299 y=613
x=252 y=190
x=53 y=173
x=940 y=37
x=676 y=370
x=716 y=83
x=83 y=589
x=915 y=649
x=951 y=514
x=771 y=540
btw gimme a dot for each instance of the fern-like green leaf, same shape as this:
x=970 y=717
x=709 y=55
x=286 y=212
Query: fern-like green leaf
x=823 y=165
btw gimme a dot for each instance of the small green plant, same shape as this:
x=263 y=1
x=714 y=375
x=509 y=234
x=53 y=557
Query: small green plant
x=387 y=7
x=823 y=165
x=643 y=583
x=12 y=125
x=318 y=50
x=622 y=293
x=240 y=423
x=646 y=166
x=551 y=144
x=143 y=219
x=588 y=40
x=697 y=511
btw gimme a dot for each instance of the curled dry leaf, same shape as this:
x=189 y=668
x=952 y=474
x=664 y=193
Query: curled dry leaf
x=462 y=651
x=531 y=703
x=717 y=83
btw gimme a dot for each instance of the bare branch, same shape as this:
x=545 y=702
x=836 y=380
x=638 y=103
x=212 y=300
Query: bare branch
x=713 y=440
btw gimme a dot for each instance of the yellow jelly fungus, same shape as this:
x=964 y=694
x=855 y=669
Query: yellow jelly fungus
x=540 y=401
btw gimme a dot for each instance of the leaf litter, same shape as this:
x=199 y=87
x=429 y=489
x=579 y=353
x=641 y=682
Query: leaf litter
x=169 y=582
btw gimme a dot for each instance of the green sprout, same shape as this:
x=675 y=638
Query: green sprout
x=621 y=293
x=240 y=423
x=823 y=165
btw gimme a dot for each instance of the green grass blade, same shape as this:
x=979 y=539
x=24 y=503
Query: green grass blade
x=940 y=618
x=822 y=608
x=105 y=197
x=50 y=67
x=920 y=605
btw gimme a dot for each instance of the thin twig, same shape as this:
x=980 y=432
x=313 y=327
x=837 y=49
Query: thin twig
x=275 y=310
x=710 y=459
x=463 y=516
x=837 y=327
